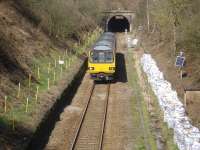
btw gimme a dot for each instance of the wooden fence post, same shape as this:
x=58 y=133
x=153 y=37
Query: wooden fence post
x=61 y=70
x=5 y=103
x=27 y=103
x=19 y=90
x=55 y=64
x=38 y=72
x=48 y=82
x=185 y=99
x=29 y=81
x=66 y=53
x=54 y=77
x=49 y=67
x=181 y=74
x=66 y=64
x=13 y=121
x=69 y=62
x=36 y=95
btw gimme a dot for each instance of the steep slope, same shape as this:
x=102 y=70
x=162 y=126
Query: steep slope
x=23 y=49
x=21 y=44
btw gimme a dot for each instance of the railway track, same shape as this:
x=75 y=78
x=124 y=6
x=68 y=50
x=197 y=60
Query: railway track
x=91 y=128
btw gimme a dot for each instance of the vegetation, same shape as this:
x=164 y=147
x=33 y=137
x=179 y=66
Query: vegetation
x=177 y=19
x=44 y=69
x=64 y=19
x=157 y=119
x=153 y=125
x=145 y=137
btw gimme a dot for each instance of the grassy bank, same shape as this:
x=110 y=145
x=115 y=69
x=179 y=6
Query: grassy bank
x=22 y=102
x=147 y=116
x=157 y=116
x=145 y=139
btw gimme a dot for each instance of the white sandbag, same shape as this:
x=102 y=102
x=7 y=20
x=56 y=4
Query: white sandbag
x=196 y=146
x=186 y=136
x=188 y=143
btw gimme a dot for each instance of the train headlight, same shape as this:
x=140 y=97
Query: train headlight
x=90 y=68
x=111 y=68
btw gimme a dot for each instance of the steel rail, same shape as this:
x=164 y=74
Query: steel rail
x=74 y=142
x=105 y=118
x=82 y=119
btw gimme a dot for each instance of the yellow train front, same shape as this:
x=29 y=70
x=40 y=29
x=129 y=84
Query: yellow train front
x=101 y=61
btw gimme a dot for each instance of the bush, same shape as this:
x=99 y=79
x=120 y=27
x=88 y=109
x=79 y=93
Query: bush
x=183 y=14
x=64 y=18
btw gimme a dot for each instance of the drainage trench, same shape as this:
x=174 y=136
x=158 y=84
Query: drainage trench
x=44 y=130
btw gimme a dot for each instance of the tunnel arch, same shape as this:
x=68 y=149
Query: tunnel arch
x=118 y=23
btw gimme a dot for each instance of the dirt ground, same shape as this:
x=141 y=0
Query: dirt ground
x=120 y=129
x=63 y=132
x=118 y=134
x=119 y=125
x=91 y=129
x=11 y=140
x=192 y=103
x=129 y=125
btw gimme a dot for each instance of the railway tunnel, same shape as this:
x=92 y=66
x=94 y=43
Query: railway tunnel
x=118 y=23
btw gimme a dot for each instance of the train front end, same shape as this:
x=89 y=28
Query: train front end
x=101 y=65
x=101 y=61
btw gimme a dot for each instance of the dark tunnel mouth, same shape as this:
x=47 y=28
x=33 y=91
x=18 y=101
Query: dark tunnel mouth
x=118 y=24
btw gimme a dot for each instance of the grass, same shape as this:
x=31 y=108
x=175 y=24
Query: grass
x=138 y=101
x=17 y=106
x=166 y=133
x=149 y=131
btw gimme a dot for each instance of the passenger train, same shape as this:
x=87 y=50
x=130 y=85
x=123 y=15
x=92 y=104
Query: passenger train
x=102 y=59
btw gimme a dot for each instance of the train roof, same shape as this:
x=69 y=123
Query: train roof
x=102 y=48
x=109 y=39
x=108 y=33
x=107 y=36
x=104 y=42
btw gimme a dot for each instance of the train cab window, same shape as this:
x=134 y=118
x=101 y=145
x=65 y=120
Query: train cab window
x=109 y=57
x=93 y=57
x=101 y=57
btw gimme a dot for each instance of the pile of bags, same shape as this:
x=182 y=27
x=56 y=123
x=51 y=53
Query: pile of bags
x=186 y=136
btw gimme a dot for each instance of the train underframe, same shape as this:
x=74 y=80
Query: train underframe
x=102 y=76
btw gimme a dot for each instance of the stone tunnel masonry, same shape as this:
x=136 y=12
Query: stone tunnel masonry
x=119 y=20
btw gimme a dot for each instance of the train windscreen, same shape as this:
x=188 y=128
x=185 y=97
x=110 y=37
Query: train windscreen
x=101 y=57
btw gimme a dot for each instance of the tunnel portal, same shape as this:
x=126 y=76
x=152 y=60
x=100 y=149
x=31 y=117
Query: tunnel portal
x=118 y=24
